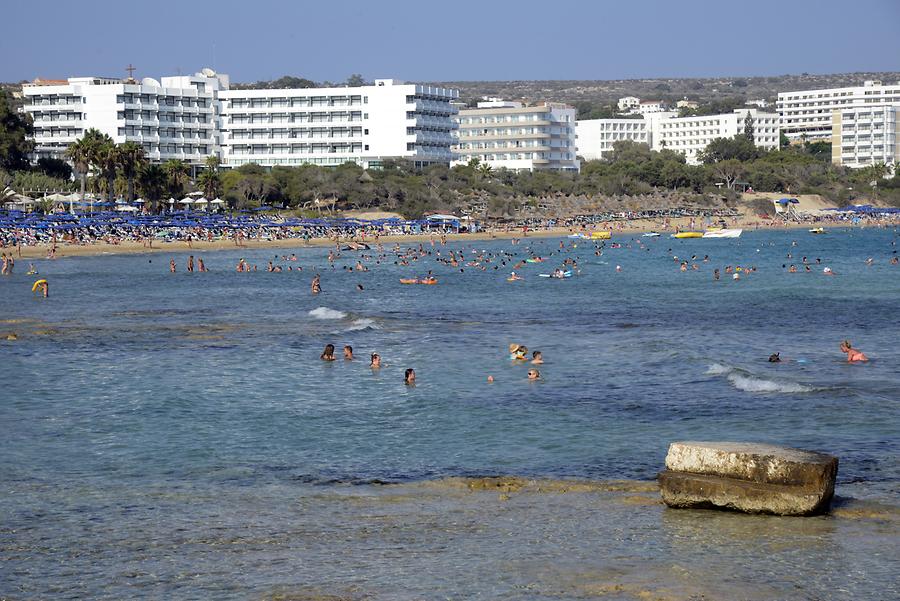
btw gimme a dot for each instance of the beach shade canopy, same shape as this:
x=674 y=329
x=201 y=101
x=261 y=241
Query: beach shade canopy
x=127 y=208
x=186 y=201
x=784 y=201
x=201 y=201
x=56 y=197
x=217 y=201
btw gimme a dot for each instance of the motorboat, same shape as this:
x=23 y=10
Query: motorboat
x=723 y=233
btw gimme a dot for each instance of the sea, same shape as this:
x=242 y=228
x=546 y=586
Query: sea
x=176 y=436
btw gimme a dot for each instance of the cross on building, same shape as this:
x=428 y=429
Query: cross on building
x=130 y=68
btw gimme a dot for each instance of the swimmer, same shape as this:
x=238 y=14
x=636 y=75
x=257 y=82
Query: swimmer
x=12 y=337
x=375 y=361
x=42 y=288
x=716 y=275
x=172 y=265
x=31 y=269
x=853 y=355
x=828 y=271
x=328 y=353
x=348 y=353
x=409 y=377
x=490 y=379
x=775 y=358
x=534 y=374
x=316 y=285
x=537 y=358
x=517 y=352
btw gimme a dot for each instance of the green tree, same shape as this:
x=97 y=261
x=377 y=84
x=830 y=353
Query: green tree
x=130 y=158
x=748 y=128
x=15 y=130
x=56 y=168
x=80 y=153
x=723 y=149
x=208 y=180
x=177 y=171
x=356 y=80
x=152 y=182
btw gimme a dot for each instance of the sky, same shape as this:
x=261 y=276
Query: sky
x=450 y=40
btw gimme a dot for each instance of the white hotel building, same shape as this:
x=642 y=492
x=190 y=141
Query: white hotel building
x=174 y=118
x=522 y=138
x=867 y=134
x=690 y=135
x=330 y=126
x=193 y=117
x=807 y=114
x=685 y=135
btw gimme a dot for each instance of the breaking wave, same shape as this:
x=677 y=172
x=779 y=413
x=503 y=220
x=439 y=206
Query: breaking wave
x=744 y=380
x=326 y=313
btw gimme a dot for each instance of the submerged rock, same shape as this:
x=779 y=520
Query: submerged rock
x=754 y=478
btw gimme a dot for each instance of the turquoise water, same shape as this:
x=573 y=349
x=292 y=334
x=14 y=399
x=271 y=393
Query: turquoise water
x=177 y=436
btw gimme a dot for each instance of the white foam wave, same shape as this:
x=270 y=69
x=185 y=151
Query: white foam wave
x=363 y=323
x=326 y=313
x=750 y=383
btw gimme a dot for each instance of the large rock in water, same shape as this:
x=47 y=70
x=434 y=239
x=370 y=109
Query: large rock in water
x=754 y=478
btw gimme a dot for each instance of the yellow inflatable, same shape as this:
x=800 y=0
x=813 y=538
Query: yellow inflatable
x=37 y=285
x=601 y=235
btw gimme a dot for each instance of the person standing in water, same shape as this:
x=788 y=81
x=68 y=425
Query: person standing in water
x=409 y=377
x=853 y=355
x=328 y=353
x=172 y=265
x=375 y=362
x=316 y=285
x=348 y=353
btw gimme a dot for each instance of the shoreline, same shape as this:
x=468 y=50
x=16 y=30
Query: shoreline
x=65 y=250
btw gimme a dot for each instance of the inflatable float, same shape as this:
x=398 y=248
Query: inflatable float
x=425 y=281
x=564 y=274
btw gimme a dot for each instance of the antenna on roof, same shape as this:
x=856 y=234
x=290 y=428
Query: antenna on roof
x=130 y=68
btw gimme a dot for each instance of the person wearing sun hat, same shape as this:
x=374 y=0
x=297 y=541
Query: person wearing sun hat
x=517 y=352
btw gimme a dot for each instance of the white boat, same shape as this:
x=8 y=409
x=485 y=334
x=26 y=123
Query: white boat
x=723 y=233
x=651 y=235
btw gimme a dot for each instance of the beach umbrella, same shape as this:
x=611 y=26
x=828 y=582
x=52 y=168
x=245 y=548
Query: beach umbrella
x=186 y=201
x=127 y=208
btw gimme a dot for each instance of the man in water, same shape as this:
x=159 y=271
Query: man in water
x=534 y=374
x=409 y=377
x=853 y=355
x=537 y=358
x=348 y=353
x=775 y=358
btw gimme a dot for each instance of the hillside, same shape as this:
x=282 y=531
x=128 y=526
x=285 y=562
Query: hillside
x=671 y=89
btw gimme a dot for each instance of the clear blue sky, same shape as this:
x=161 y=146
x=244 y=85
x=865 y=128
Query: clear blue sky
x=449 y=40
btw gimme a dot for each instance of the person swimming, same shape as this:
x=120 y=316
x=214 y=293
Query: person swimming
x=409 y=377
x=517 y=352
x=348 y=353
x=537 y=358
x=853 y=355
x=328 y=353
x=534 y=374
x=375 y=361
x=775 y=358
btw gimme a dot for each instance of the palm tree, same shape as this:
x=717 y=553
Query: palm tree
x=177 y=171
x=130 y=157
x=80 y=153
x=106 y=159
x=152 y=180
x=209 y=179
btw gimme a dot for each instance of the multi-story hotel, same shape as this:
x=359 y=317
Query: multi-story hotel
x=864 y=135
x=807 y=114
x=596 y=137
x=690 y=135
x=518 y=137
x=174 y=118
x=330 y=126
x=193 y=117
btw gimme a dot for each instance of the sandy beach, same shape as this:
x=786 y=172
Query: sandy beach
x=617 y=228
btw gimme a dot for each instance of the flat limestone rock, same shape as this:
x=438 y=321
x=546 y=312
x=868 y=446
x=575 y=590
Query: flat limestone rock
x=755 y=478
